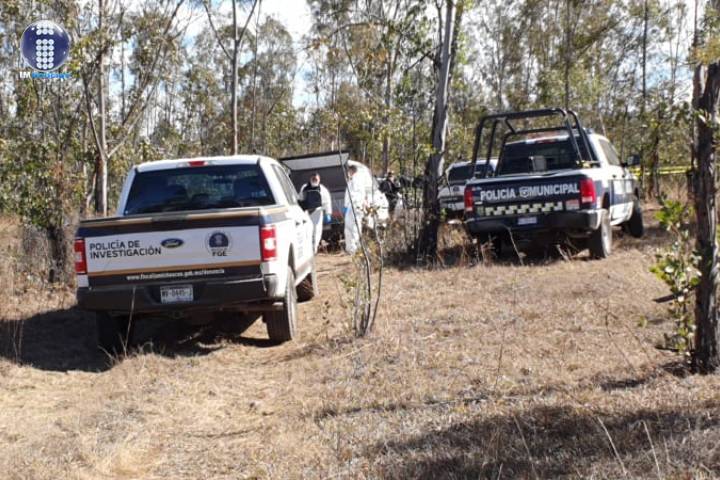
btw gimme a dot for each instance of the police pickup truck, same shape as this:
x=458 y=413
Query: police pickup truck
x=221 y=235
x=552 y=183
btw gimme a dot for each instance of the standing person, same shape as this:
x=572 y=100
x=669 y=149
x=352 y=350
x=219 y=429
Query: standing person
x=318 y=203
x=354 y=208
x=391 y=188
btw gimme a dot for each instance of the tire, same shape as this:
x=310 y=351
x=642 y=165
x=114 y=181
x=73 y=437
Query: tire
x=308 y=288
x=635 y=225
x=600 y=241
x=113 y=333
x=281 y=323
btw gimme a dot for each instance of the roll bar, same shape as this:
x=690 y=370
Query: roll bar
x=507 y=118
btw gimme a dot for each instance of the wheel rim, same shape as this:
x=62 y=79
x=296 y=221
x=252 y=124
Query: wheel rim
x=292 y=304
x=606 y=236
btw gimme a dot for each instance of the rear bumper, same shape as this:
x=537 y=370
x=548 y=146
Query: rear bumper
x=578 y=222
x=453 y=206
x=232 y=294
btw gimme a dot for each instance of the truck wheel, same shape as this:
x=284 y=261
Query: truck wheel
x=281 y=323
x=308 y=288
x=113 y=333
x=635 y=224
x=600 y=241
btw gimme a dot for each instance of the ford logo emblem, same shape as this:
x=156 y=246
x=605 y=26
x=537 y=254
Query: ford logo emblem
x=172 y=243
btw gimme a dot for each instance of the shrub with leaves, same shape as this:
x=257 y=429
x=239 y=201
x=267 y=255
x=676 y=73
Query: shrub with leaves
x=676 y=265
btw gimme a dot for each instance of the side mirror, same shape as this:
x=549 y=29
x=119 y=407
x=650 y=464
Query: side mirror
x=633 y=161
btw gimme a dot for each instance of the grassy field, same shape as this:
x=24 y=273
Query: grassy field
x=507 y=370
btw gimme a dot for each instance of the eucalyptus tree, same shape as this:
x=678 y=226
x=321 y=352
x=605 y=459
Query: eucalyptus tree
x=706 y=99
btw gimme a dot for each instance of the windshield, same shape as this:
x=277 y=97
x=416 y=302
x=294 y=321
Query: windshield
x=543 y=156
x=198 y=188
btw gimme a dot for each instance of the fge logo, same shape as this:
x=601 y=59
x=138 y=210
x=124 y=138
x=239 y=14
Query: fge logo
x=45 y=46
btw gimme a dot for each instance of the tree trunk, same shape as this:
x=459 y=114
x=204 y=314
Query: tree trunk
x=386 y=121
x=706 y=356
x=568 y=54
x=122 y=68
x=236 y=44
x=434 y=168
x=101 y=166
x=254 y=84
x=644 y=55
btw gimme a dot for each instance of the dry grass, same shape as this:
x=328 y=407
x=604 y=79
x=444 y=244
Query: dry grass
x=500 y=371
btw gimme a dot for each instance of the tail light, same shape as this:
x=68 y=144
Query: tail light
x=197 y=163
x=588 y=195
x=469 y=200
x=268 y=243
x=80 y=260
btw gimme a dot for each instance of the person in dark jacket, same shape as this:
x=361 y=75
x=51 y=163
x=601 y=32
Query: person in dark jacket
x=318 y=203
x=391 y=188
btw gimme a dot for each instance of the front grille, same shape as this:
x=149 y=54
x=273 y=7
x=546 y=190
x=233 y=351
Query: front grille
x=523 y=208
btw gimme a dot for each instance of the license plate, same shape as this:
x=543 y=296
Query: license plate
x=178 y=294
x=527 y=220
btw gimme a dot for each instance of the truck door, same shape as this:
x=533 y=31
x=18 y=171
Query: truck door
x=304 y=248
x=620 y=191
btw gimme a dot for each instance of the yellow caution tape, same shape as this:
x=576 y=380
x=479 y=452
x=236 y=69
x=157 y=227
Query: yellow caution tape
x=670 y=170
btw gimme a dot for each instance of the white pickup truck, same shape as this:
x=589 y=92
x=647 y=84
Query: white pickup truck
x=457 y=175
x=191 y=236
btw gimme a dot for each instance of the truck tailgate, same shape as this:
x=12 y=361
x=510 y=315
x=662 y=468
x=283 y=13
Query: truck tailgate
x=164 y=248
x=527 y=194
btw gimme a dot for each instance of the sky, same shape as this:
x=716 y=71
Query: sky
x=296 y=16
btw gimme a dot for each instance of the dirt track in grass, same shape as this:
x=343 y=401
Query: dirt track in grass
x=499 y=371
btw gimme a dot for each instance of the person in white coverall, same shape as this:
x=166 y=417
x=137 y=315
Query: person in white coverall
x=354 y=208
x=318 y=204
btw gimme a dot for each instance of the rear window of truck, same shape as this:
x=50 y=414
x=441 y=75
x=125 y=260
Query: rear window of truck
x=519 y=158
x=460 y=173
x=465 y=172
x=198 y=188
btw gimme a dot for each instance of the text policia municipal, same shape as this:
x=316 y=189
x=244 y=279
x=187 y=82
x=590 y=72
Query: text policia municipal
x=527 y=192
x=119 y=248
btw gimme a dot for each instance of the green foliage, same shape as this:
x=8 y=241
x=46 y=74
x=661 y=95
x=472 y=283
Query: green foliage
x=34 y=186
x=371 y=74
x=676 y=265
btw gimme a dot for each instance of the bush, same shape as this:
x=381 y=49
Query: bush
x=676 y=265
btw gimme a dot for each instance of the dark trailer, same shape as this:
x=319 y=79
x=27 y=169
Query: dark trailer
x=331 y=166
